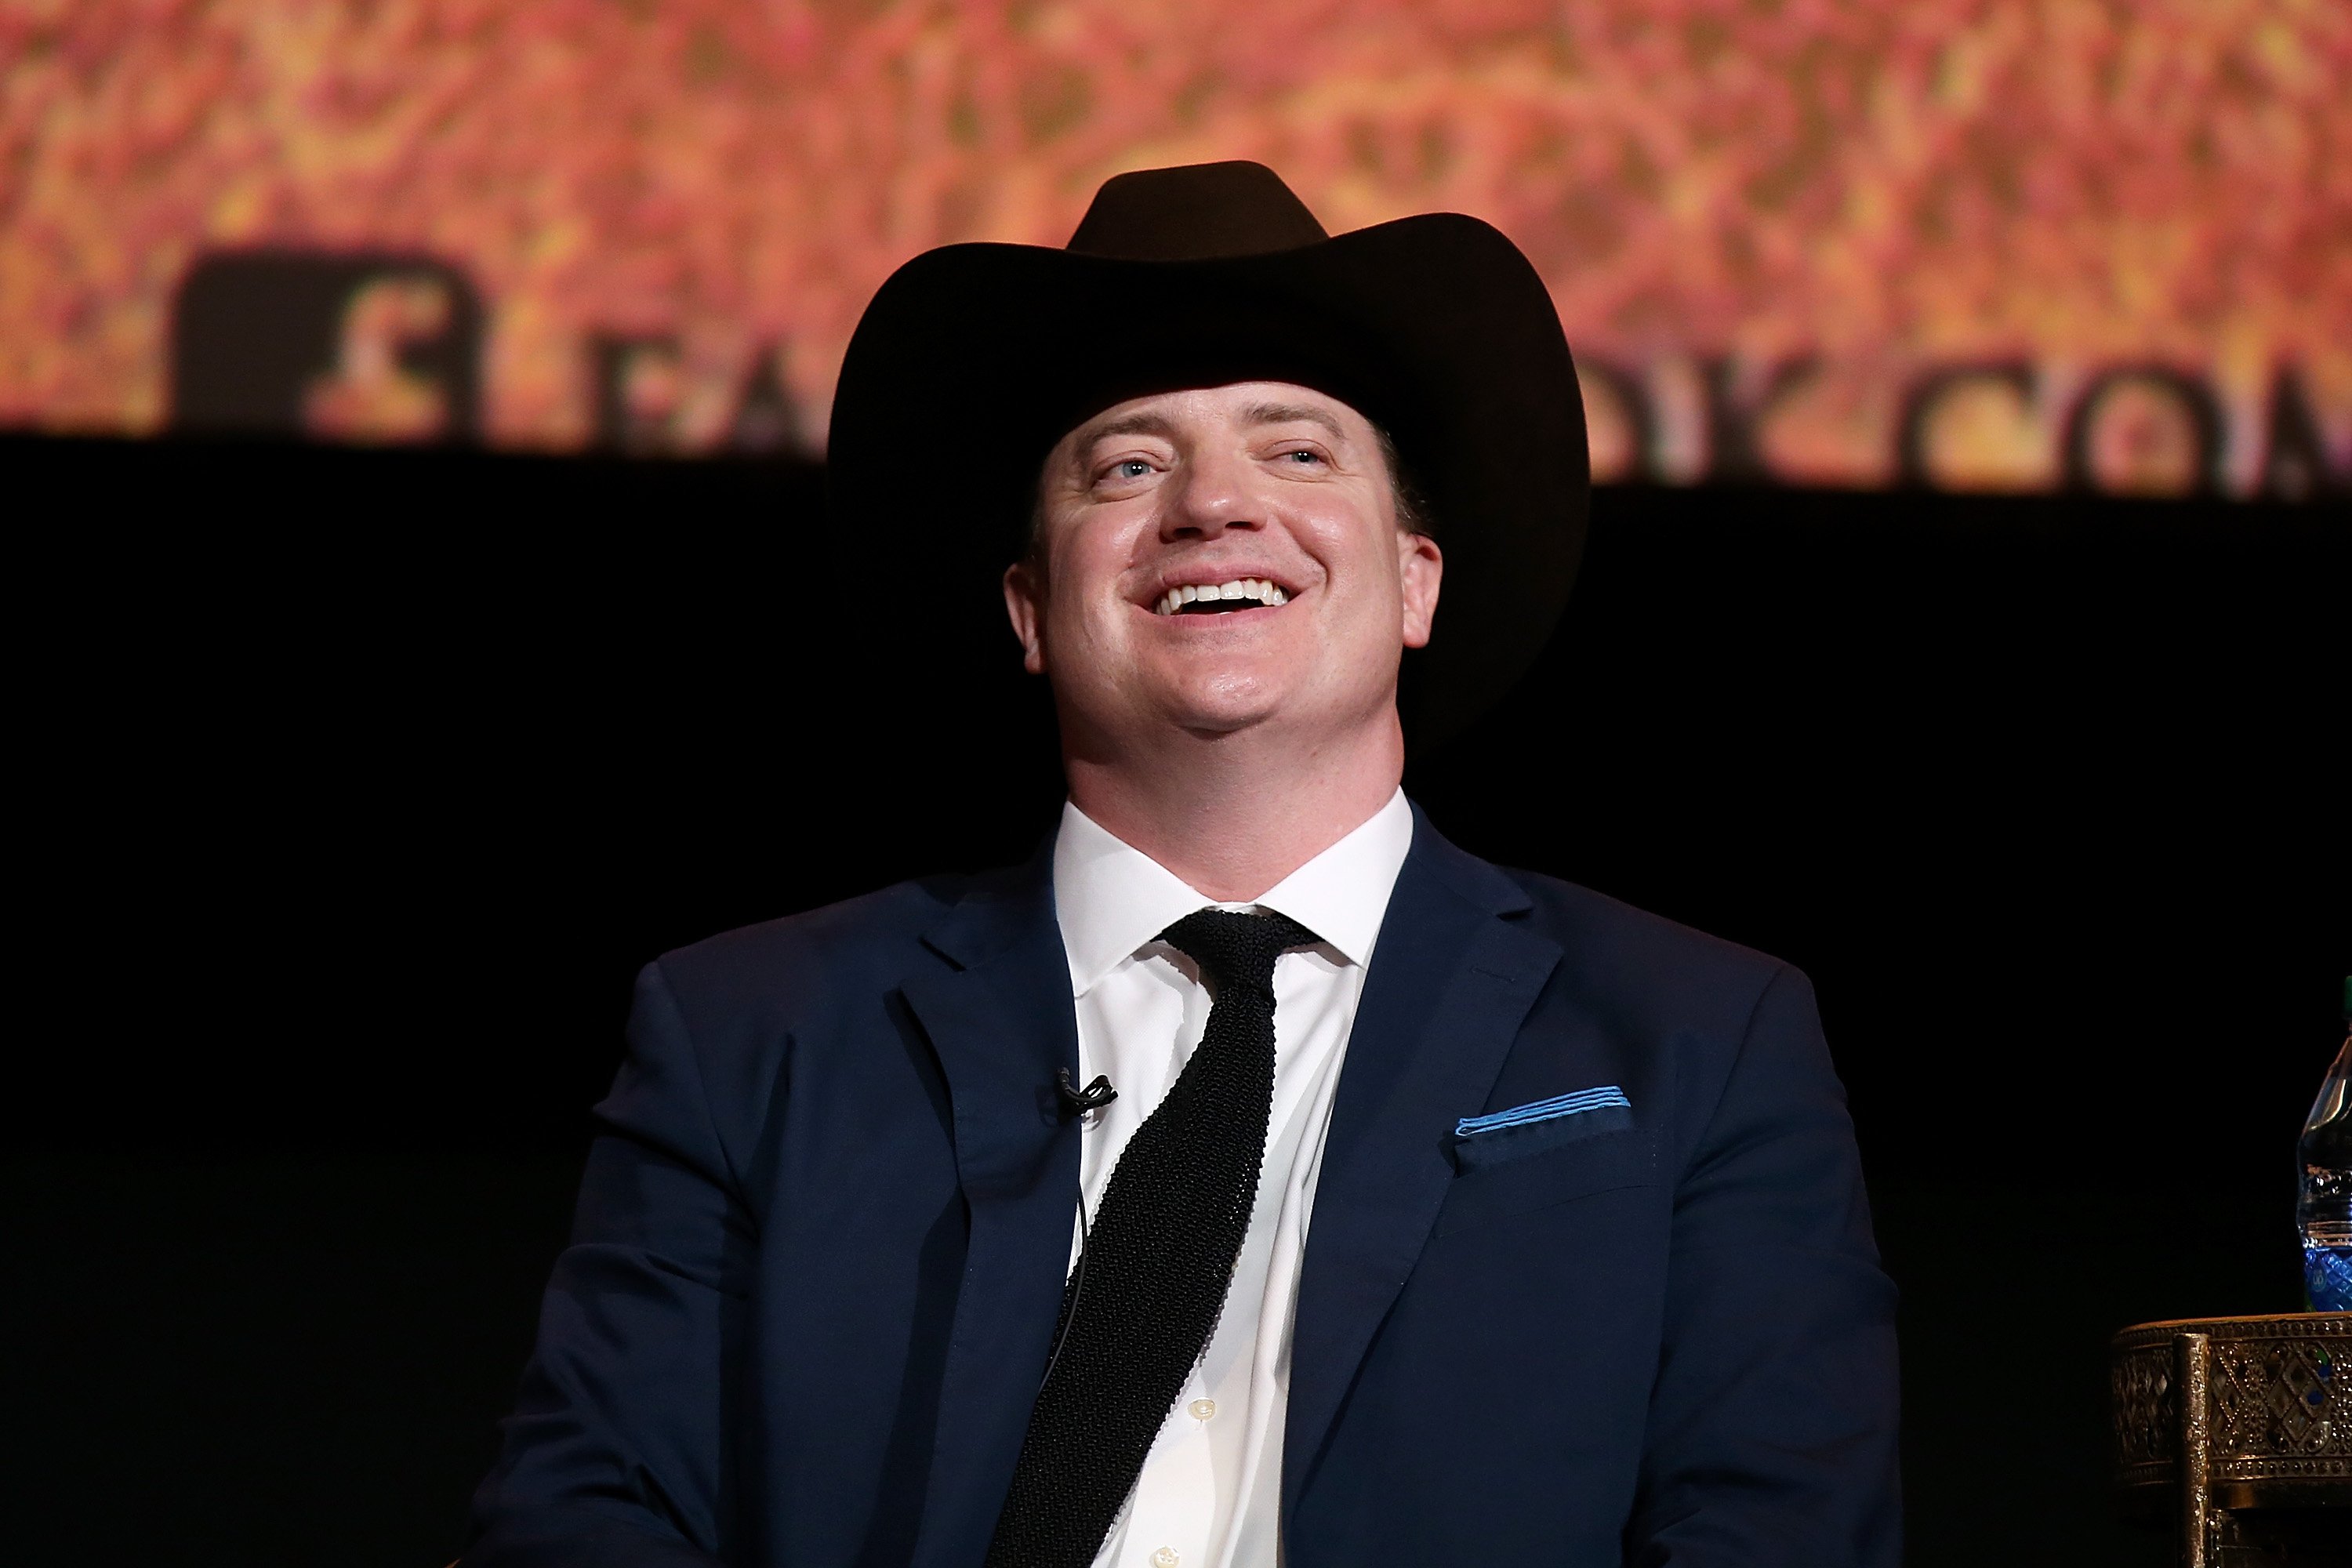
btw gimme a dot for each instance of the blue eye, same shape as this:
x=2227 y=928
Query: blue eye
x=1132 y=469
x=1303 y=456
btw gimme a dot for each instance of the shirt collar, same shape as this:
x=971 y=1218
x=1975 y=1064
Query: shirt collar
x=1112 y=899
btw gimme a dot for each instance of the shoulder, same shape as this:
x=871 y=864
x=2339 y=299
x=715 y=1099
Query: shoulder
x=805 y=999
x=1644 y=969
x=779 y=967
x=1594 y=932
x=1723 y=1041
x=1609 y=930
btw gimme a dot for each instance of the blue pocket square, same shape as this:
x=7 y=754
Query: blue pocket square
x=1584 y=1099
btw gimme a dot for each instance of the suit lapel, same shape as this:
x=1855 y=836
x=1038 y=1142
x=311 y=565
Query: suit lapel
x=1453 y=977
x=998 y=1013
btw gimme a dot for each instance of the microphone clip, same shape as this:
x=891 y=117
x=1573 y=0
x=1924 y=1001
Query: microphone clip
x=1094 y=1097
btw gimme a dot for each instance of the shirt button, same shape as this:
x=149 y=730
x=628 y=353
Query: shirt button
x=1164 y=1558
x=1201 y=1409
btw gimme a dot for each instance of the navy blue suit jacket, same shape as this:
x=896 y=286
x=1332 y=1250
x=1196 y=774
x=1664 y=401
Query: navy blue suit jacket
x=822 y=1237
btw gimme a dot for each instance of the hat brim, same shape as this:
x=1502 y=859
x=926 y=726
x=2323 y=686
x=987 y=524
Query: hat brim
x=974 y=360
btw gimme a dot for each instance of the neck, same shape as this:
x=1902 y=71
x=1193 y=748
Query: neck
x=1234 y=813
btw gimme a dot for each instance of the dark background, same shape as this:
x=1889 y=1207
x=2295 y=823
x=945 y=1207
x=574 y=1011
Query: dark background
x=355 y=786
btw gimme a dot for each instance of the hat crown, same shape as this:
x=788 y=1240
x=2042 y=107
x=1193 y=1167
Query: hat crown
x=1197 y=212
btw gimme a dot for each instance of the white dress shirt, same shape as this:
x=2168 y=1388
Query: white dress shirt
x=1210 y=1491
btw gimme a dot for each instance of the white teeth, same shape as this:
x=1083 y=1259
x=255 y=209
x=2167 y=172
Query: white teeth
x=1257 y=588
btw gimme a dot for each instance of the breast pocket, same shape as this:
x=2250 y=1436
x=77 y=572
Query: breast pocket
x=1520 y=1168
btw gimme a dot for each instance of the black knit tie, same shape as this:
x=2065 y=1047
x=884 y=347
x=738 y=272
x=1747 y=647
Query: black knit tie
x=1159 y=1258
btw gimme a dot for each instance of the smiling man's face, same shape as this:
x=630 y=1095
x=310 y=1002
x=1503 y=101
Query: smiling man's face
x=1219 y=559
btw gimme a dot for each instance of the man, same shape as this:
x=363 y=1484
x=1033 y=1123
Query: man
x=1252 y=1177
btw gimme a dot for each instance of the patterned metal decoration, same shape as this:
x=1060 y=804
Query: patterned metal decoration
x=2244 y=1425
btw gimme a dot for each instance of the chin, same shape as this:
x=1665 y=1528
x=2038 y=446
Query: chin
x=1223 y=708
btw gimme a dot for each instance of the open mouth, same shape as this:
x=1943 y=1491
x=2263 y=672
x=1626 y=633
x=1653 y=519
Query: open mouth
x=1221 y=598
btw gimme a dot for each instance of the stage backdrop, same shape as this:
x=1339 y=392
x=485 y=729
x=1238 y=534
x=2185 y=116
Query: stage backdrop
x=2006 y=244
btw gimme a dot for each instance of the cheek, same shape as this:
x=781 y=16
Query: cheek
x=1087 y=570
x=1354 y=541
x=1369 y=585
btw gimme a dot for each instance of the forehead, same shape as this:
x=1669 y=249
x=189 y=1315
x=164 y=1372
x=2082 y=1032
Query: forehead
x=1235 y=406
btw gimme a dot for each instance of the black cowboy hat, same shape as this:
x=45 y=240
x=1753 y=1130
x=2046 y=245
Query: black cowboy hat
x=974 y=360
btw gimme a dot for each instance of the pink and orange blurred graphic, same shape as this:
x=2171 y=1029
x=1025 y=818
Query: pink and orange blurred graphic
x=1976 y=244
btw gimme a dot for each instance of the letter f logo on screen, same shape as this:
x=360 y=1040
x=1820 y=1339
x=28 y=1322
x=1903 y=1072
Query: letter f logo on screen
x=345 y=347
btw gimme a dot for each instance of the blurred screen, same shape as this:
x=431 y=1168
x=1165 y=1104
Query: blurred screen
x=1966 y=244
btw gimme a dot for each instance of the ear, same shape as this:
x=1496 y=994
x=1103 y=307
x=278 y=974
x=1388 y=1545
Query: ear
x=1420 y=565
x=1024 y=606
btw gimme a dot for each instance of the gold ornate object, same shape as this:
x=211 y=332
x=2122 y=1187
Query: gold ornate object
x=2241 y=1429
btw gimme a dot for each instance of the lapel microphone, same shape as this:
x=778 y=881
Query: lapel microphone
x=1094 y=1097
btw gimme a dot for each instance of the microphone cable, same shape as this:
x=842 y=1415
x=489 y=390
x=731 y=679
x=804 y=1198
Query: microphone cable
x=1092 y=1097
x=1077 y=1294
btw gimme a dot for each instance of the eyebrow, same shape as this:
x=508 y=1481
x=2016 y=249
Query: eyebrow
x=1132 y=425
x=1148 y=423
x=1290 y=414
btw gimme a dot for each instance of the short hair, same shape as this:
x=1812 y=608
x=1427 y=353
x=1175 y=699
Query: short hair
x=1411 y=506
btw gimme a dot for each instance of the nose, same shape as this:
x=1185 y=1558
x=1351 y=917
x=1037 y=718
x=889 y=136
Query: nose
x=1212 y=493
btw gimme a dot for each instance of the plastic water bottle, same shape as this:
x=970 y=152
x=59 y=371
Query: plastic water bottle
x=2324 y=1214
